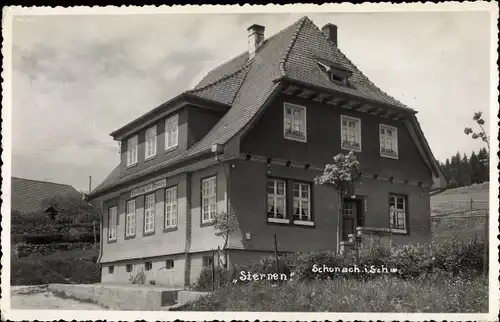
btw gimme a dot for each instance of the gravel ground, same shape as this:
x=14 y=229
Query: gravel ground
x=38 y=297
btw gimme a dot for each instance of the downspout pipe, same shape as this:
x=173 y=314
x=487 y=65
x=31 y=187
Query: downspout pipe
x=218 y=151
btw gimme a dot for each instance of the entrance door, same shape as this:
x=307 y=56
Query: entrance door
x=351 y=217
x=348 y=215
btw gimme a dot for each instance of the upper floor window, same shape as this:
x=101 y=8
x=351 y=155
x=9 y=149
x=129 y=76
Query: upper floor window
x=171 y=132
x=388 y=141
x=112 y=222
x=301 y=201
x=151 y=142
x=295 y=122
x=397 y=212
x=351 y=133
x=276 y=200
x=171 y=207
x=130 y=219
x=132 y=150
x=149 y=213
x=208 y=199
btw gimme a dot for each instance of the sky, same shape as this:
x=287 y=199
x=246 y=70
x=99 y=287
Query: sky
x=75 y=79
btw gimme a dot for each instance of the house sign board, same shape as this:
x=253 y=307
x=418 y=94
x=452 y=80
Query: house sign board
x=148 y=188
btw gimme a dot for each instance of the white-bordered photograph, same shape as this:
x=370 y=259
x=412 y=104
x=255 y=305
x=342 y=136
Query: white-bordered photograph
x=295 y=162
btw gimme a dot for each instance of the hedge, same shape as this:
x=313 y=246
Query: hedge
x=41 y=271
x=411 y=261
x=49 y=238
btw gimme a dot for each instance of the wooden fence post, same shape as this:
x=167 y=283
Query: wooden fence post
x=218 y=266
x=213 y=270
x=276 y=254
x=486 y=242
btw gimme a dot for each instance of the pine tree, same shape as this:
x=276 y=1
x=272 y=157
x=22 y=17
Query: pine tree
x=466 y=171
x=474 y=166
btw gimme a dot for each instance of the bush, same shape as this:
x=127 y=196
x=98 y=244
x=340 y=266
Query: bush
x=49 y=238
x=453 y=257
x=41 y=271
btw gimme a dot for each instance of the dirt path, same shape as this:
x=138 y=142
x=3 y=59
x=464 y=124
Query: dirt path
x=38 y=297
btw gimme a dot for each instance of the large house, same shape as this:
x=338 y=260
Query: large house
x=249 y=140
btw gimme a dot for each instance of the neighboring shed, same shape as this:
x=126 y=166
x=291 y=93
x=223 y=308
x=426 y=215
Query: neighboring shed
x=28 y=195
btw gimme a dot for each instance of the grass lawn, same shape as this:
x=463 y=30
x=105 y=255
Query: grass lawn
x=458 y=199
x=383 y=294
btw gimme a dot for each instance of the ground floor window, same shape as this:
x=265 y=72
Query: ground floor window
x=398 y=208
x=148 y=266
x=149 y=213
x=301 y=201
x=289 y=200
x=169 y=264
x=208 y=261
x=128 y=268
x=276 y=199
x=111 y=269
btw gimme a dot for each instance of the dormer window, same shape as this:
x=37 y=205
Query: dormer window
x=151 y=142
x=171 y=132
x=336 y=73
x=132 y=150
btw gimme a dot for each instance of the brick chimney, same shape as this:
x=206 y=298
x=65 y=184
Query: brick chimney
x=255 y=39
x=330 y=32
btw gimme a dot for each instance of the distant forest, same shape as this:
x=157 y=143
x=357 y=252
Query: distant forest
x=463 y=170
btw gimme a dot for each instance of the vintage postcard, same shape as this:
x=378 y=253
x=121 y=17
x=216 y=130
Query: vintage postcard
x=296 y=162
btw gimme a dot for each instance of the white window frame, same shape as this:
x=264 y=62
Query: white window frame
x=347 y=145
x=150 y=142
x=398 y=213
x=301 y=202
x=273 y=217
x=130 y=218
x=208 y=199
x=149 y=213
x=171 y=209
x=112 y=222
x=132 y=149
x=172 y=132
x=290 y=117
x=384 y=139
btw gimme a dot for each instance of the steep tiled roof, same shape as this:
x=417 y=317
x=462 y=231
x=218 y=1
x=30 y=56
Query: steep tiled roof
x=224 y=89
x=311 y=45
x=221 y=71
x=27 y=195
x=247 y=84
